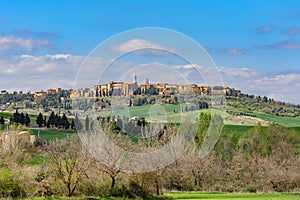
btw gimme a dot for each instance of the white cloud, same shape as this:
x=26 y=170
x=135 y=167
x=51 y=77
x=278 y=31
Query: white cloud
x=141 y=46
x=284 y=45
x=188 y=66
x=28 y=72
x=11 y=43
x=38 y=72
x=59 y=56
x=292 y=31
x=283 y=86
x=264 y=29
x=279 y=79
x=235 y=51
x=238 y=72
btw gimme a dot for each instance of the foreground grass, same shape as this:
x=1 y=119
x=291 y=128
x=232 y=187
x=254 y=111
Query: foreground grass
x=200 y=195
x=72 y=198
x=227 y=196
x=90 y=198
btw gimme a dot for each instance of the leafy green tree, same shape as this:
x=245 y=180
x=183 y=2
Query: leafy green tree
x=226 y=147
x=265 y=140
x=204 y=122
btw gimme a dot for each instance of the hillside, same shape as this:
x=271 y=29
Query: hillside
x=241 y=109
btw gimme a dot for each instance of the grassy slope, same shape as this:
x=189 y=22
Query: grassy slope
x=238 y=128
x=284 y=121
x=144 y=111
x=230 y=125
x=292 y=123
x=223 y=196
x=52 y=134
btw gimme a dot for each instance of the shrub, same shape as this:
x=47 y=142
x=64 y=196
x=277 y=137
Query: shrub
x=89 y=188
x=137 y=191
x=134 y=190
x=8 y=187
x=252 y=188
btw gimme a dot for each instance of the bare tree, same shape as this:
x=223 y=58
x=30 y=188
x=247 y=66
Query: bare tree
x=70 y=161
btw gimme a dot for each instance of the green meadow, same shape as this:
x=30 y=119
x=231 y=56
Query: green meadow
x=229 y=196
x=284 y=121
x=51 y=134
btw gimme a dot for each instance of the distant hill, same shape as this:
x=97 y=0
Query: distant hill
x=242 y=109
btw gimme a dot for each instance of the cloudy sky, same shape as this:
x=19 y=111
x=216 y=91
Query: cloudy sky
x=254 y=44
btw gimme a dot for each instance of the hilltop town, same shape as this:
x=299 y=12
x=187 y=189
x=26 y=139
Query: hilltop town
x=60 y=100
x=120 y=88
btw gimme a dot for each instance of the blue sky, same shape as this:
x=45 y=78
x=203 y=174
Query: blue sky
x=256 y=44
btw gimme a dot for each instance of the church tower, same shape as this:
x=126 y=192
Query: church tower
x=134 y=78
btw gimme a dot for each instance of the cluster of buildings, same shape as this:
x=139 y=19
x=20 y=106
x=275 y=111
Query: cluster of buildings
x=119 y=88
x=50 y=91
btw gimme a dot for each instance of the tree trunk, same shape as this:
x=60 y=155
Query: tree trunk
x=113 y=181
x=69 y=190
x=157 y=187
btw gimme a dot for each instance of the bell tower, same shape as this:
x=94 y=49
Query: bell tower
x=134 y=78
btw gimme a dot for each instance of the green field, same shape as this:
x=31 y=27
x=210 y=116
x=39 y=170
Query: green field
x=284 y=121
x=223 y=196
x=173 y=113
x=167 y=112
x=52 y=134
x=6 y=115
x=60 y=134
x=145 y=111
x=237 y=128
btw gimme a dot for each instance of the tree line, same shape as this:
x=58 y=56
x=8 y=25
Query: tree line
x=55 y=121
x=20 y=118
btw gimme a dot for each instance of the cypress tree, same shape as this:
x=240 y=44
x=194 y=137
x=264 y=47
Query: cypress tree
x=27 y=120
x=40 y=120
x=87 y=123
